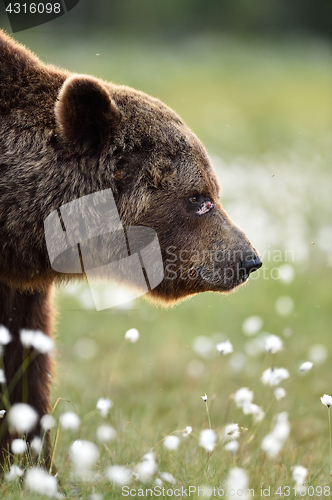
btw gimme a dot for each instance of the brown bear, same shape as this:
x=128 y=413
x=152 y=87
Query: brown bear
x=66 y=136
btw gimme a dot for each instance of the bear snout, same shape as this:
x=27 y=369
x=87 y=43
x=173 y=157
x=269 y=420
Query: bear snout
x=249 y=264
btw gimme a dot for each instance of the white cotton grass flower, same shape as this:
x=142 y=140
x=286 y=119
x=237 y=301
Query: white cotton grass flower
x=273 y=344
x=36 y=445
x=306 y=366
x=232 y=446
x=299 y=475
x=284 y=305
x=119 y=475
x=83 y=454
x=326 y=400
x=103 y=406
x=204 y=347
x=274 y=376
x=286 y=273
x=132 y=335
x=224 y=348
x=171 y=442
x=273 y=442
x=254 y=410
x=38 y=480
x=318 y=354
x=22 y=418
x=14 y=473
x=2 y=413
x=238 y=481
x=204 y=398
x=243 y=396
x=231 y=432
x=188 y=430
x=18 y=446
x=5 y=336
x=2 y=376
x=69 y=420
x=167 y=476
x=47 y=422
x=37 y=340
x=105 y=433
x=279 y=393
x=252 y=325
x=207 y=439
x=146 y=468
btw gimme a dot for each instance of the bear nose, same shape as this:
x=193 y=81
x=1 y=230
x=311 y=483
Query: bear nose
x=250 y=264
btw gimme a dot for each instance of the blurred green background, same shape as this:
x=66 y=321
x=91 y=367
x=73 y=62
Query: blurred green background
x=253 y=79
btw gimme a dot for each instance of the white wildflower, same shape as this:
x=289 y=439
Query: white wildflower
x=255 y=410
x=279 y=393
x=37 y=340
x=318 y=353
x=299 y=474
x=118 y=475
x=69 y=420
x=2 y=376
x=38 y=480
x=158 y=482
x=284 y=305
x=273 y=344
x=146 y=468
x=188 y=430
x=273 y=442
x=103 y=406
x=204 y=347
x=83 y=454
x=243 y=396
x=273 y=376
x=286 y=273
x=105 y=433
x=224 y=347
x=2 y=413
x=18 y=446
x=132 y=335
x=271 y=445
x=237 y=481
x=14 y=473
x=167 y=476
x=306 y=366
x=282 y=428
x=47 y=422
x=207 y=439
x=22 y=417
x=204 y=398
x=36 y=445
x=232 y=446
x=171 y=442
x=5 y=336
x=252 y=325
x=326 y=400
x=231 y=431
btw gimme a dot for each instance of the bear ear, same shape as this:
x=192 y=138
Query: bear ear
x=85 y=113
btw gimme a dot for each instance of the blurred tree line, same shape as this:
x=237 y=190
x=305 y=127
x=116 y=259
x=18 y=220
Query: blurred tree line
x=176 y=17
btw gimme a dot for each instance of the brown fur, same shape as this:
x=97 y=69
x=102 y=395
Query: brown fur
x=65 y=136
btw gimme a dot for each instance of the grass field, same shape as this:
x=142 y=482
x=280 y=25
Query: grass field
x=263 y=109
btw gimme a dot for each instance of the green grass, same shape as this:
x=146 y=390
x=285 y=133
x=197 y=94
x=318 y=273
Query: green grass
x=256 y=103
